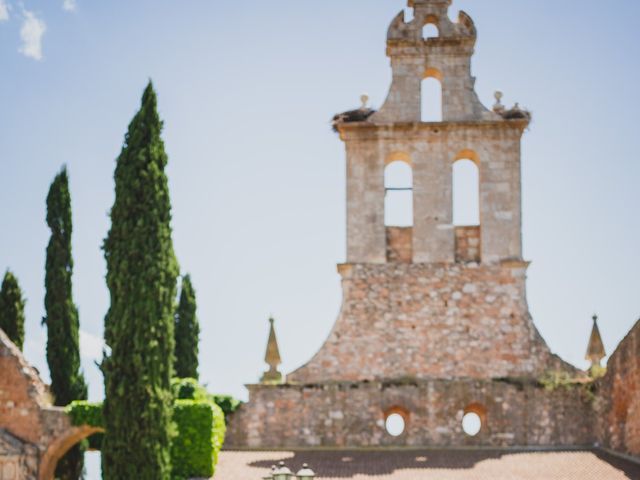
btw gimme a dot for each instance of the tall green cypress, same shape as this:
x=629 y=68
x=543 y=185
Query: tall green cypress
x=12 y=309
x=187 y=332
x=63 y=350
x=141 y=275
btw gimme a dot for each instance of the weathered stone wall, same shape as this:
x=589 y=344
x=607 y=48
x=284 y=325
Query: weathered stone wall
x=22 y=394
x=446 y=58
x=348 y=414
x=619 y=397
x=467 y=244
x=431 y=150
x=18 y=459
x=431 y=320
x=399 y=244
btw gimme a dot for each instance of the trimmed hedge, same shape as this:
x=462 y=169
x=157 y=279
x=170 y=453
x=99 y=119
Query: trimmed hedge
x=201 y=429
x=194 y=451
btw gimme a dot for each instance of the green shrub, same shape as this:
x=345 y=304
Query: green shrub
x=227 y=403
x=201 y=429
x=82 y=412
x=200 y=426
x=190 y=389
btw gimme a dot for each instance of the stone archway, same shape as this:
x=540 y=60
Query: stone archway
x=61 y=445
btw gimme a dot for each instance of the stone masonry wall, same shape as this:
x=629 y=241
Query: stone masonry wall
x=619 y=397
x=353 y=415
x=431 y=150
x=22 y=394
x=399 y=244
x=420 y=321
x=467 y=244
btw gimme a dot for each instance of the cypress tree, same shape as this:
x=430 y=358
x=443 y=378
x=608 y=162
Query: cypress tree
x=141 y=275
x=63 y=350
x=12 y=309
x=187 y=332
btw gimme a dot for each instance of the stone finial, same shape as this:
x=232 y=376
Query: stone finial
x=595 y=350
x=272 y=357
x=498 y=107
x=364 y=98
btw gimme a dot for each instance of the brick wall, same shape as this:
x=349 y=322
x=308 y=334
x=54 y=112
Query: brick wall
x=353 y=414
x=619 y=397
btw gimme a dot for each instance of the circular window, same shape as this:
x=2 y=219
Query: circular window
x=395 y=424
x=471 y=424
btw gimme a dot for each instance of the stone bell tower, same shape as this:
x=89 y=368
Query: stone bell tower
x=434 y=320
x=432 y=299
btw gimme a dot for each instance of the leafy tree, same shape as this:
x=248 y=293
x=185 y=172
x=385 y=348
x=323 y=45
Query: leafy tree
x=63 y=350
x=141 y=275
x=187 y=332
x=12 y=309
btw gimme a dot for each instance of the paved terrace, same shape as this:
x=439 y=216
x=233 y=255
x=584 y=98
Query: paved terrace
x=433 y=465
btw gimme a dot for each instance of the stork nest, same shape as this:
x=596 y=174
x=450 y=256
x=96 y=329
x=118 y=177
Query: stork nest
x=516 y=113
x=359 y=115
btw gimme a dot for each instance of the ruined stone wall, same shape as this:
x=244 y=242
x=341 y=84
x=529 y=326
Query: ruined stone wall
x=431 y=320
x=353 y=415
x=619 y=397
x=22 y=394
x=32 y=432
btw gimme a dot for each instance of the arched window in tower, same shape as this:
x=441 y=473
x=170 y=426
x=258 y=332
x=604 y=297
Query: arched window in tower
x=466 y=208
x=431 y=97
x=398 y=204
x=430 y=30
x=466 y=193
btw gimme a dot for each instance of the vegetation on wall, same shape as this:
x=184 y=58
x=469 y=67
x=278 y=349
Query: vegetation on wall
x=187 y=332
x=12 y=309
x=82 y=412
x=63 y=351
x=139 y=326
x=556 y=380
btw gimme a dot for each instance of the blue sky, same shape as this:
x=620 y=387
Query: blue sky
x=247 y=90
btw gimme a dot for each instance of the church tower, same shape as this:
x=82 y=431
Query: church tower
x=434 y=323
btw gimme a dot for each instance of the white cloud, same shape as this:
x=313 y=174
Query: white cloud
x=69 y=5
x=4 y=11
x=91 y=346
x=31 y=34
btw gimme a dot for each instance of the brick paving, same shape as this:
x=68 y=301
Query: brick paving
x=432 y=465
